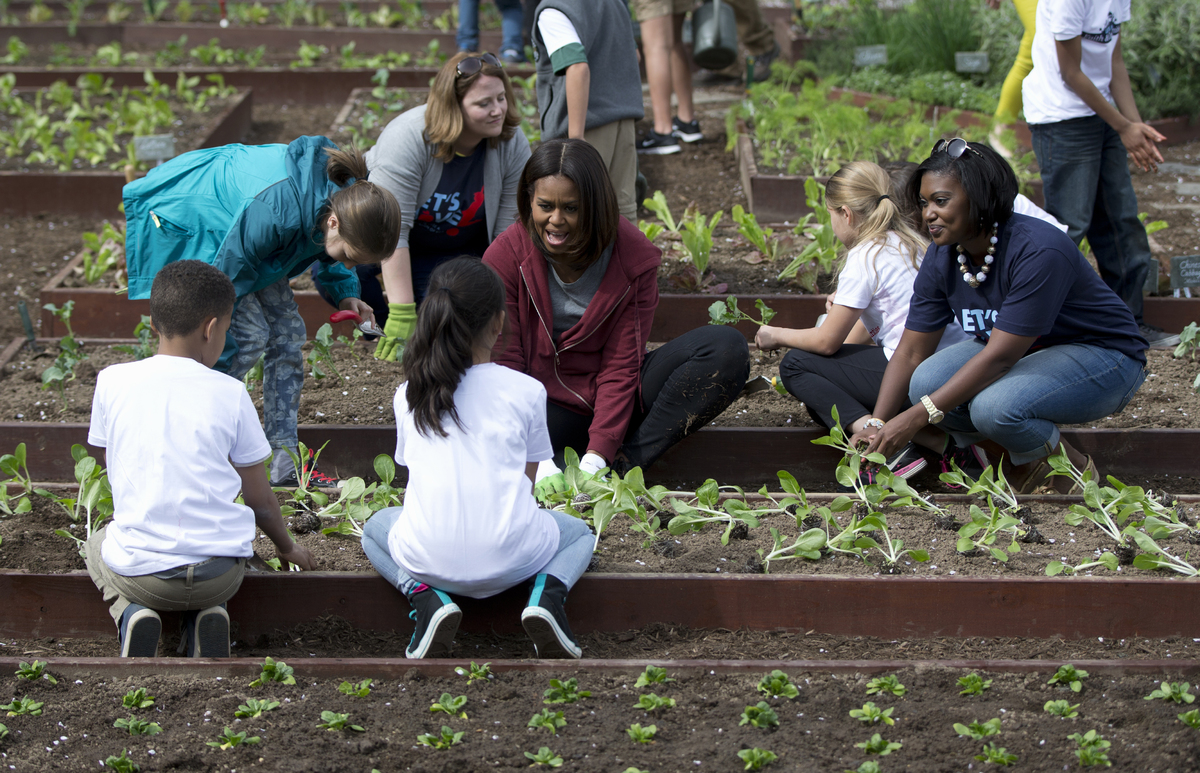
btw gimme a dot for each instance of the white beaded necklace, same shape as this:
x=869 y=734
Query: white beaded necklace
x=976 y=278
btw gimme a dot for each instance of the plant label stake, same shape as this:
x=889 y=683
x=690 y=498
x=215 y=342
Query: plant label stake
x=1185 y=274
x=27 y=323
x=866 y=56
x=971 y=61
x=154 y=147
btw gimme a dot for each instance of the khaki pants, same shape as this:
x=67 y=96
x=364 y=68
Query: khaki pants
x=617 y=144
x=178 y=595
x=753 y=31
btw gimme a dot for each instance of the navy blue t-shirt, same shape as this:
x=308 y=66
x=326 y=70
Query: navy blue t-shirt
x=1040 y=285
x=453 y=221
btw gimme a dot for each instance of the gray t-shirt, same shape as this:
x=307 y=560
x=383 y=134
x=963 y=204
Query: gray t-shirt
x=570 y=299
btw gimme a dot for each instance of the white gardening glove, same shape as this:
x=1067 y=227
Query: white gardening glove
x=592 y=463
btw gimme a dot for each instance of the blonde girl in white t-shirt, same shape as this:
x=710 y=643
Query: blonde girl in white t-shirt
x=471 y=434
x=841 y=363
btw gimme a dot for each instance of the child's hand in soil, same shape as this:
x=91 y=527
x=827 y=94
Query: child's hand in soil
x=298 y=555
x=767 y=338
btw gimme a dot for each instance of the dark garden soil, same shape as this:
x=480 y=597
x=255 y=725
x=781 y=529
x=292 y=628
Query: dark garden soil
x=701 y=732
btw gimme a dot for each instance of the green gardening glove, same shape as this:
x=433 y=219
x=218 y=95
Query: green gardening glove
x=401 y=322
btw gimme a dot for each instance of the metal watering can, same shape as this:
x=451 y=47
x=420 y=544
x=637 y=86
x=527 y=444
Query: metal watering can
x=714 y=35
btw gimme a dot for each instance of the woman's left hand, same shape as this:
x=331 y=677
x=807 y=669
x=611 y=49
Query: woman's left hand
x=359 y=307
x=894 y=435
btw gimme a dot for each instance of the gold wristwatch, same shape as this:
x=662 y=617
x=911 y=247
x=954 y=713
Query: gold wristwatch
x=934 y=414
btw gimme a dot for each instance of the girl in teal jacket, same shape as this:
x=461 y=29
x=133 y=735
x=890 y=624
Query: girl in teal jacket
x=263 y=214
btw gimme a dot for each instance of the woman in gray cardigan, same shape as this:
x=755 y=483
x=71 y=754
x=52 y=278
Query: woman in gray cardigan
x=454 y=164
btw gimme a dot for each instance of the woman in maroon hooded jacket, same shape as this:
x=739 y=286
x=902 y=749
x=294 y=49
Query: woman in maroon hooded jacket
x=582 y=286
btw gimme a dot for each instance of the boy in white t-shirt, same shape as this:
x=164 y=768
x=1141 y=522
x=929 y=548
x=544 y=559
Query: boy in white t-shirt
x=1085 y=124
x=181 y=440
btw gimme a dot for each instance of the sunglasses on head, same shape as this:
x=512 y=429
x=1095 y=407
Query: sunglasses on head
x=473 y=64
x=954 y=147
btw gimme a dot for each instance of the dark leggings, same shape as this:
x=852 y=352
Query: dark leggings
x=849 y=378
x=686 y=383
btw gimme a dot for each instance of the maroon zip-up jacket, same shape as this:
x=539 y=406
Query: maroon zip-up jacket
x=596 y=367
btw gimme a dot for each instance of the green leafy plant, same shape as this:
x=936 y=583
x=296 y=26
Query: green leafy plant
x=981 y=531
x=444 y=740
x=1191 y=718
x=1092 y=749
x=360 y=690
x=154 y=9
x=308 y=55
x=14 y=468
x=996 y=754
x=1108 y=560
x=274 y=671
x=22 y=706
x=476 y=673
x=728 y=313
x=756 y=758
x=1061 y=708
x=652 y=675
x=320 y=358
x=870 y=766
x=3 y=732
x=1069 y=676
x=333 y=721
x=37 y=670
x=819 y=255
x=991 y=485
x=137 y=726
x=253 y=707
x=1111 y=509
x=1177 y=692
x=973 y=684
x=550 y=720
x=565 y=691
x=763 y=239
x=121 y=764
x=231 y=740
x=870 y=714
x=692 y=516
x=761 y=716
x=642 y=734
x=450 y=704
x=658 y=205
x=889 y=684
x=653 y=702
x=70 y=354
x=147 y=341
x=137 y=699
x=545 y=757
x=977 y=730
x=877 y=745
x=697 y=236
x=778 y=684
x=1156 y=557
x=1189 y=342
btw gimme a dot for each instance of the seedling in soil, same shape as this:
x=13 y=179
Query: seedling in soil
x=137 y=699
x=232 y=740
x=1189 y=342
x=1107 y=560
x=777 y=684
x=64 y=315
x=37 y=670
x=387 y=495
x=4 y=731
x=973 y=684
x=19 y=707
x=991 y=484
x=550 y=720
x=137 y=726
x=808 y=545
x=763 y=239
x=757 y=759
x=450 y=704
x=565 y=691
x=877 y=745
x=697 y=236
x=892 y=550
x=320 y=358
x=997 y=754
x=870 y=714
x=642 y=734
x=350 y=341
x=1189 y=718
x=819 y=255
x=761 y=716
x=727 y=312
x=652 y=675
x=93 y=505
x=274 y=671
x=658 y=205
x=1109 y=509
x=650 y=230
x=1062 y=709
x=888 y=684
x=253 y=707
x=70 y=354
x=359 y=690
x=545 y=757
x=1156 y=557
x=1173 y=691
x=692 y=517
x=870 y=766
x=13 y=466
x=121 y=764
x=983 y=529
x=1092 y=749
x=255 y=374
x=444 y=740
x=1069 y=676
x=147 y=342
x=652 y=701
x=333 y=721
x=977 y=730
x=477 y=673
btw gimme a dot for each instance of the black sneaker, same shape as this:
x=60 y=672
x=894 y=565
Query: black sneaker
x=315 y=476
x=686 y=132
x=140 y=629
x=656 y=144
x=545 y=619
x=437 y=619
x=210 y=633
x=971 y=460
x=762 y=63
x=1157 y=337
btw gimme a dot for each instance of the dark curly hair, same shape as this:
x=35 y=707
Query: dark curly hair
x=985 y=176
x=186 y=294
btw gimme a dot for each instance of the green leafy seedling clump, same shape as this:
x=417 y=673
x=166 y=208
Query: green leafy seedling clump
x=1092 y=749
x=870 y=766
x=137 y=699
x=253 y=707
x=450 y=704
x=761 y=716
x=232 y=740
x=1191 y=718
x=137 y=726
x=564 y=691
x=333 y=721
x=996 y=754
x=22 y=706
x=642 y=734
x=778 y=684
x=476 y=673
x=274 y=671
x=121 y=764
x=443 y=740
x=756 y=758
x=652 y=702
x=360 y=690
x=1173 y=691
x=978 y=730
x=35 y=670
x=549 y=720
x=653 y=675
x=1069 y=676
x=973 y=684
x=876 y=744
x=1061 y=708
x=871 y=714
x=888 y=684
x=545 y=757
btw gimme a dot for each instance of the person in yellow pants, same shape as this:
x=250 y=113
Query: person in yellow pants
x=1010 y=93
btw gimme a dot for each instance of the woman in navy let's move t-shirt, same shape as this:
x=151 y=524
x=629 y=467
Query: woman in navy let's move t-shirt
x=1052 y=343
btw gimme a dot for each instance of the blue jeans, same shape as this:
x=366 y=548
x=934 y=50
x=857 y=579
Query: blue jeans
x=575 y=543
x=511 y=16
x=1085 y=177
x=1068 y=384
x=269 y=322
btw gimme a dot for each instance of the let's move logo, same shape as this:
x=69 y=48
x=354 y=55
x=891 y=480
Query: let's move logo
x=1106 y=35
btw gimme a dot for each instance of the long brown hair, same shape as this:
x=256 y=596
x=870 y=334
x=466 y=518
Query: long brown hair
x=368 y=215
x=443 y=109
x=464 y=296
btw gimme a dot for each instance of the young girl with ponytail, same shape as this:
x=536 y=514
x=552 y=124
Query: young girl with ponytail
x=472 y=433
x=841 y=363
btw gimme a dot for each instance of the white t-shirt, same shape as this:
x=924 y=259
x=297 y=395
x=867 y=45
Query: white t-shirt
x=556 y=29
x=173 y=431
x=878 y=278
x=470 y=524
x=1047 y=99
x=1023 y=206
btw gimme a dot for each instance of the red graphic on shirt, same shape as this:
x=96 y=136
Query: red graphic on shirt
x=468 y=215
